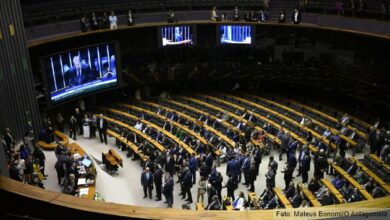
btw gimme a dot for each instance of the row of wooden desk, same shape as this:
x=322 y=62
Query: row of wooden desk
x=337 y=195
x=205 y=126
x=165 y=119
x=352 y=181
x=128 y=144
x=379 y=161
x=333 y=130
x=236 y=117
x=219 y=134
x=156 y=127
x=371 y=174
x=335 y=120
x=155 y=143
x=270 y=111
x=295 y=136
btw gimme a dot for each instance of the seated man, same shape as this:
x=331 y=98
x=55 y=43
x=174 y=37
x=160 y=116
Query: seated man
x=338 y=182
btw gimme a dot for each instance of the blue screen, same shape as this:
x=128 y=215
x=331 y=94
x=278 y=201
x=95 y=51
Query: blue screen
x=176 y=35
x=81 y=71
x=235 y=34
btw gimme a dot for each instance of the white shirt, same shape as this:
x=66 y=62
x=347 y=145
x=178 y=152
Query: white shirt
x=113 y=19
x=239 y=203
x=101 y=123
x=138 y=126
x=296 y=16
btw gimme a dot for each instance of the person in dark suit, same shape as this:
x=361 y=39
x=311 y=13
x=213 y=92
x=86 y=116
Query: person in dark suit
x=79 y=73
x=305 y=166
x=170 y=164
x=187 y=185
x=245 y=168
x=270 y=178
x=73 y=127
x=231 y=186
x=157 y=177
x=258 y=154
x=193 y=166
x=232 y=169
x=296 y=199
x=209 y=160
x=102 y=127
x=296 y=17
x=168 y=189
x=147 y=182
x=252 y=173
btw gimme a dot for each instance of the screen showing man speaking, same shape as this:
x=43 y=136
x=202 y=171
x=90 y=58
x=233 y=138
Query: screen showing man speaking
x=176 y=35
x=81 y=71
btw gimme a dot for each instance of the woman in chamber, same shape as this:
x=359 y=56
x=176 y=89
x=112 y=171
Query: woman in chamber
x=86 y=128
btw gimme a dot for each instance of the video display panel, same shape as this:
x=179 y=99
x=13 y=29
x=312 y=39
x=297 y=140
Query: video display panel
x=80 y=71
x=235 y=34
x=177 y=35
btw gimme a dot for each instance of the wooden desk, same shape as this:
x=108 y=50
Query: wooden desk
x=116 y=156
x=337 y=195
x=353 y=182
x=158 y=128
x=379 y=161
x=252 y=197
x=199 y=206
x=371 y=174
x=333 y=119
x=139 y=133
x=63 y=138
x=47 y=146
x=282 y=198
x=128 y=144
x=333 y=130
x=165 y=119
x=232 y=115
x=309 y=196
x=295 y=136
x=189 y=118
x=201 y=112
x=281 y=116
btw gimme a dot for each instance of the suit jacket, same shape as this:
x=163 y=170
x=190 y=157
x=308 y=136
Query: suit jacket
x=104 y=124
x=86 y=75
x=209 y=160
x=232 y=168
x=193 y=164
x=146 y=181
x=157 y=177
x=170 y=164
x=306 y=164
x=187 y=179
x=168 y=187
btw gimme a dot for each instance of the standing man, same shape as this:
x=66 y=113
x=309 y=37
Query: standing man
x=193 y=166
x=270 y=178
x=102 y=126
x=157 y=177
x=113 y=21
x=305 y=166
x=187 y=185
x=245 y=168
x=147 y=182
x=79 y=116
x=168 y=189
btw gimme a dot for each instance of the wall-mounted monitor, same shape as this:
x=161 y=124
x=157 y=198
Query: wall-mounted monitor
x=81 y=71
x=235 y=34
x=176 y=35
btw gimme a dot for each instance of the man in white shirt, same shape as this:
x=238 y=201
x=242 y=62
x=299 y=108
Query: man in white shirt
x=327 y=133
x=138 y=125
x=238 y=204
x=113 y=21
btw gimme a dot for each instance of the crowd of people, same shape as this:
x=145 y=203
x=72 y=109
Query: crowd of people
x=26 y=161
x=242 y=163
